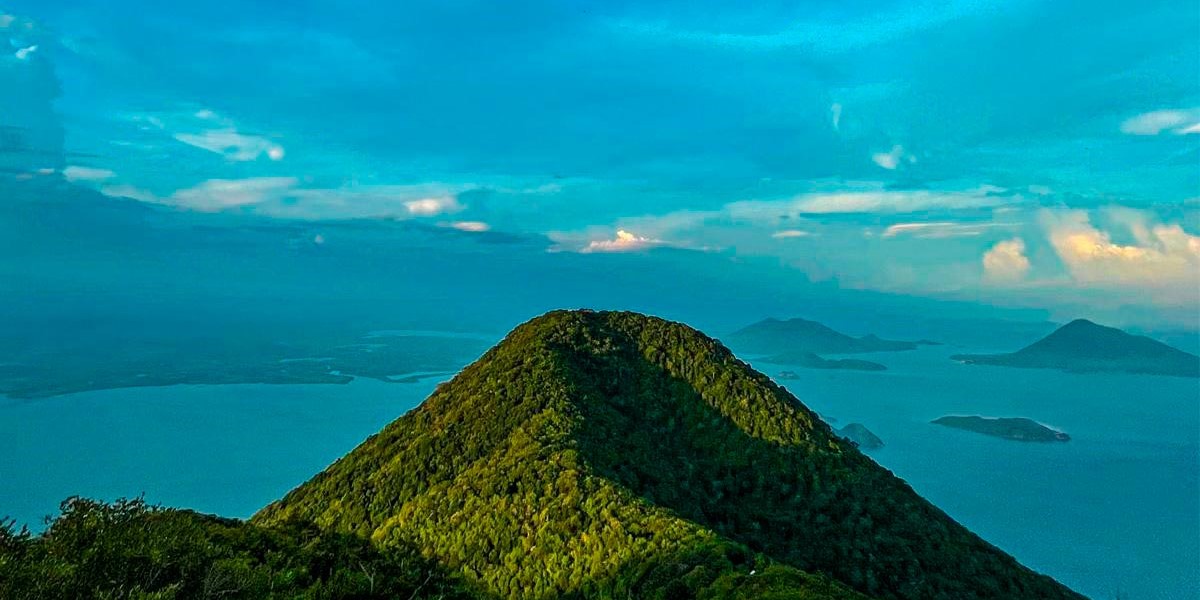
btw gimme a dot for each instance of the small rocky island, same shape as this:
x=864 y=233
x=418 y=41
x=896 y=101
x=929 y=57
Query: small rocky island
x=860 y=436
x=1019 y=429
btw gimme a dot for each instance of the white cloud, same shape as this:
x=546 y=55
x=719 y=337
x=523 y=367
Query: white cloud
x=433 y=206
x=233 y=145
x=6 y=21
x=26 y=52
x=936 y=229
x=223 y=194
x=624 y=242
x=1006 y=261
x=1163 y=255
x=893 y=158
x=874 y=201
x=790 y=233
x=469 y=226
x=835 y=116
x=1176 y=121
x=76 y=173
x=283 y=197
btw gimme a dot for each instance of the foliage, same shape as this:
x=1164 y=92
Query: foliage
x=128 y=550
x=602 y=454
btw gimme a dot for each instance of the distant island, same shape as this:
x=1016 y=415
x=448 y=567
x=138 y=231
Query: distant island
x=794 y=336
x=861 y=436
x=808 y=360
x=1082 y=346
x=272 y=357
x=1019 y=429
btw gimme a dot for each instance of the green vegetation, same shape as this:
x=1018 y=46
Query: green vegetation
x=1082 y=346
x=1018 y=428
x=128 y=550
x=794 y=338
x=602 y=455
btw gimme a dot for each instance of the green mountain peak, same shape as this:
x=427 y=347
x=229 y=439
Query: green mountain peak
x=611 y=454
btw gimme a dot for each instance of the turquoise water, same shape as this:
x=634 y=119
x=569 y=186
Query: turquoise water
x=225 y=449
x=1115 y=511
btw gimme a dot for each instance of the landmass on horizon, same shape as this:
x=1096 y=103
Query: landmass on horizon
x=1082 y=346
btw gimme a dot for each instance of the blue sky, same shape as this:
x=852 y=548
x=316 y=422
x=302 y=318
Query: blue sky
x=1017 y=154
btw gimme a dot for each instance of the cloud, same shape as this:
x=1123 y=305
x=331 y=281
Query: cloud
x=624 y=242
x=26 y=52
x=936 y=229
x=874 y=201
x=6 y=20
x=233 y=145
x=208 y=130
x=835 y=116
x=75 y=173
x=284 y=197
x=1176 y=121
x=790 y=233
x=893 y=158
x=1162 y=255
x=1006 y=261
x=223 y=194
x=468 y=226
x=431 y=207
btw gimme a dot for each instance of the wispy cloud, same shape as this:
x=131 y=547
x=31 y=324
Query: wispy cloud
x=892 y=159
x=207 y=130
x=233 y=145
x=223 y=194
x=874 y=201
x=790 y=233
x=936 y=229
x=75 y=173
x=1176 y=121
x=285 y=197
x=468 y=226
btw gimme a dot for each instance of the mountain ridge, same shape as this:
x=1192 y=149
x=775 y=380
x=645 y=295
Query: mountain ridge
x=797 y=336
x=1084 y=346
x=657 y=452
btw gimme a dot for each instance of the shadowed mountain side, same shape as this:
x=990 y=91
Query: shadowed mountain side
x=587 y=444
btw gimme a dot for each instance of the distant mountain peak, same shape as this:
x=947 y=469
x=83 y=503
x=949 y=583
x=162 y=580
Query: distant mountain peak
x=603 y=454
x=795 y=336
x=1085 y=346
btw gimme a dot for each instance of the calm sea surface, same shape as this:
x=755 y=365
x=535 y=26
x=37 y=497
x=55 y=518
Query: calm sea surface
x=1115 y=512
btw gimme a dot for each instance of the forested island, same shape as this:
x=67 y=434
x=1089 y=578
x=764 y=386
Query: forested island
x=1019 y=429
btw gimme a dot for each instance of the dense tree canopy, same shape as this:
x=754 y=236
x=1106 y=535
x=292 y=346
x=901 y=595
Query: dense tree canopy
x=602 y=454
x=128 y=550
